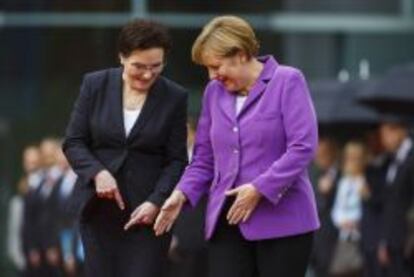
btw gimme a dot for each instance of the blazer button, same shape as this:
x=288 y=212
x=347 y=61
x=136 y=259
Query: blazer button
x=235 y=129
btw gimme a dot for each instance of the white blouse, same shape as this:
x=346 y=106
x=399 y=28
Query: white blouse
x=348 y=204
x=130 y=116
x=240 y=102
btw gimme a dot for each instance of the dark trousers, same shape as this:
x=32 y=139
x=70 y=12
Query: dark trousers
x=230 y=255
x=190 y=264
x=399 y=265
x=111 y=252
x=372 y=267
x=44 y=270
x=34 y=271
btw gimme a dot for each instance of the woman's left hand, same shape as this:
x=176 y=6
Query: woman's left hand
x=143 y=214
x=247 y=198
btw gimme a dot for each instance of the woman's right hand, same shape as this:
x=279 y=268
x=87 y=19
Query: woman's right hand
x=169 y=212
x=106 y=187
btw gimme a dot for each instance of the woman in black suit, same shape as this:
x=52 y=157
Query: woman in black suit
x=126 y=140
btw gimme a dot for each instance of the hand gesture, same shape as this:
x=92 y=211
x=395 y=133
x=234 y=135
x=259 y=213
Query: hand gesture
x=144 y=214
x=169 y=212
x=247 y=198
x=106 y=187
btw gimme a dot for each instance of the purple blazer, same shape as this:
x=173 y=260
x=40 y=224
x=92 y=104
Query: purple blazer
x=269 y=143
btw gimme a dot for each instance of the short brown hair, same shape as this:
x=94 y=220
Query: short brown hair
x=225 y=36
x=143 y=35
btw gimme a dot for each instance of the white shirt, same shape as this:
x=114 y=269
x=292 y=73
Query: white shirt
x=347 y=205
x=190 y=149
x=68 y=183
x=130 y=116
x=240 y=99
x=14 y=241
x=35 y=178
x=51 y=177
x=400 y=157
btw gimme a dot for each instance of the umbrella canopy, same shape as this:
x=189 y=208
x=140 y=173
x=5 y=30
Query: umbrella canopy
x=392 y=94
x=336 y=103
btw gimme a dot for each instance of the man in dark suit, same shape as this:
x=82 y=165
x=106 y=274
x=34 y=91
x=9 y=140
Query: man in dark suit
x=399 y=196
x=126 y=141
x=373 y=194
x=31 y=231
x=48 y=203
x=39 y=231
x=325 y=175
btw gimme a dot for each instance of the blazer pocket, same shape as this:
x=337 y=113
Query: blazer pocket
x=269 y=115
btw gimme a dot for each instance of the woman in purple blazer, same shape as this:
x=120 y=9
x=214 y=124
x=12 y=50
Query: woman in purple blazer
x=255 y=138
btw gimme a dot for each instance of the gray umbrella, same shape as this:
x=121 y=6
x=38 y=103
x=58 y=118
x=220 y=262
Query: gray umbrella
x=392 y=94
x=335 y=103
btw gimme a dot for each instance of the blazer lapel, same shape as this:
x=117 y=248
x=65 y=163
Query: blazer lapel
x=402 y=167
x=227 y=104
x=269 y=68
x=153 y=98
x=115 y=100
x=253 y=96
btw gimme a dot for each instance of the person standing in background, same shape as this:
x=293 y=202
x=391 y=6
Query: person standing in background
x=66 y=227
x=31 y=213
x=399 y=196
x=15 y=242
x=372 y=212
x=325 y=173
x=47 y=220
x=347 y=211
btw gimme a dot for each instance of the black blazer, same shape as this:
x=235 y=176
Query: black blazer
x=31 y=231
x=39 y=230
x=149 y=162
x=373 y=207
x=48 y=219
x=325 y=238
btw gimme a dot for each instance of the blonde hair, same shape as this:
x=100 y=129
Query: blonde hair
x=225 y=36
x=362 y=155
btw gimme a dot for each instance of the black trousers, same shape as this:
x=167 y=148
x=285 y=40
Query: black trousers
x=372 y=267
x=399 y=265
x=230 y=255
x=112 y=252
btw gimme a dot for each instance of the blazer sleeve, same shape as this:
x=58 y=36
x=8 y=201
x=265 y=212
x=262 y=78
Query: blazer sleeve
x=199 y=174
x=299 y=122
x=76 y=145
x=176 y=154
x=376 y=183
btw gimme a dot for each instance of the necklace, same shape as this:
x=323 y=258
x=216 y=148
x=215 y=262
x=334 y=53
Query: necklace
x=133 y=101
